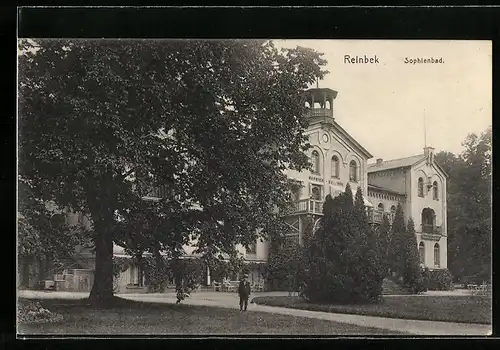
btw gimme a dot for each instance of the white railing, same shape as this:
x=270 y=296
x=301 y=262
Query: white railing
x=376 y=216
x=308 y=206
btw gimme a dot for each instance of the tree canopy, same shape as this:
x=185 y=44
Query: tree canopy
x=344 y=261
x=469 y=207
x=215 y=122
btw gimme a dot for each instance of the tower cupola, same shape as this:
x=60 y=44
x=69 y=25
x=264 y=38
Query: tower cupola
x=319 y=104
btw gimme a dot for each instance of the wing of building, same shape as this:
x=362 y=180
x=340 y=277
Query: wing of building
x=419 y=184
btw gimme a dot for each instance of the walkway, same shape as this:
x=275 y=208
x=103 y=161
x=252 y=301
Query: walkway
x=230 y=300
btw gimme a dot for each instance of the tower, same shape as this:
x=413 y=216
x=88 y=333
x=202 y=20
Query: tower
x=319 y=104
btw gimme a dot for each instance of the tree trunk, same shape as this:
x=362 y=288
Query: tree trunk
x=25 y=273
x=102 y=289
x=41 y=270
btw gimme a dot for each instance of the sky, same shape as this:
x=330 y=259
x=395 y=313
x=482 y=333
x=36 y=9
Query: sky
x=385 y=105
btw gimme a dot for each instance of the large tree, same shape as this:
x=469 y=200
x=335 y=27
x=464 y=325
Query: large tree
x=44 y=235
x=469 y=206
x=100 y=122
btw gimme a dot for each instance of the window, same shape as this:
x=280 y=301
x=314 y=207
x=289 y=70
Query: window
x=420 y=187
x=335 y=166
x=435 y=190
x=353 y=171
x=315 y=162
x=436 y=254
x=135 y=275
x=252 y=249
x=421 y=251
x=393 y=209
x=428 y=220
x=380 y=206
x=316 y=192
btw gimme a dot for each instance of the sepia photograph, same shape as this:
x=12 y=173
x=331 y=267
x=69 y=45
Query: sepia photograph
x=254 y=187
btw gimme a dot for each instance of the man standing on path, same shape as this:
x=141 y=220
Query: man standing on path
x=244 y=292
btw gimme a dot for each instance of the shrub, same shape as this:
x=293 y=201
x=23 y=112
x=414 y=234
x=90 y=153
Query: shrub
x=438 y=279
x=344 y=259
x=412 y=274
x=32 y=312
x=285 y=268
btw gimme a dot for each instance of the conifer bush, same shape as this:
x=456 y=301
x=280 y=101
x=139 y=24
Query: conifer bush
x=344 y=259
x=412 y=275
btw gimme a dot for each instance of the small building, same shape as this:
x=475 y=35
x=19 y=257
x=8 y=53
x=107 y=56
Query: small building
x=419 y=184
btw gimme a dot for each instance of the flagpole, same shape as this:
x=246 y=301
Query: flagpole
x=425 y=132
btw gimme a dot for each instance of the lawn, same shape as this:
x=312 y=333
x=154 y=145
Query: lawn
x=466 y=309
x=140 y=318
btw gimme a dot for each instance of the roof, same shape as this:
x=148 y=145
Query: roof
x=396 y=163
x=318 y=93
x=379 y=188
x=352 y=140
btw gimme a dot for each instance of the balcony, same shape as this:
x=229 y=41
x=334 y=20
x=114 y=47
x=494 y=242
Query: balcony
x=430 y=228
x=376 y=216
x=431 y=232
x=320 y=112
x=307 y=206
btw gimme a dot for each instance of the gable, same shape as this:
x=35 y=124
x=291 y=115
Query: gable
x=336 y=135
x=430 y=169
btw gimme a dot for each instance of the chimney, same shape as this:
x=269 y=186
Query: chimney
x=379 y=161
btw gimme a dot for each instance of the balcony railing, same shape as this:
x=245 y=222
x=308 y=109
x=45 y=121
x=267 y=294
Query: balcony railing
x=307 y=206
x=431 y=229
x=320 y=112
x=376 y=216
x=155 y=193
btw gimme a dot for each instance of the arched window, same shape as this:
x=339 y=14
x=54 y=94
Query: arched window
x=420 y=187
x=335 y=166
x=380 y=206
x=421 y=251
x=435 y=190
x=428 y=220
x=315 y=161
x=353 y=171
x=436 y=254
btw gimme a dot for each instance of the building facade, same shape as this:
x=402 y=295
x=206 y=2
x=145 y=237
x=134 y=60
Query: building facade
x=417 y=182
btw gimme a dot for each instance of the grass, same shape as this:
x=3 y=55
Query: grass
x=465 y=309
x=141 y=318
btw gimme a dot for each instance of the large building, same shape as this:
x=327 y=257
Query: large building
x=417 y=182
